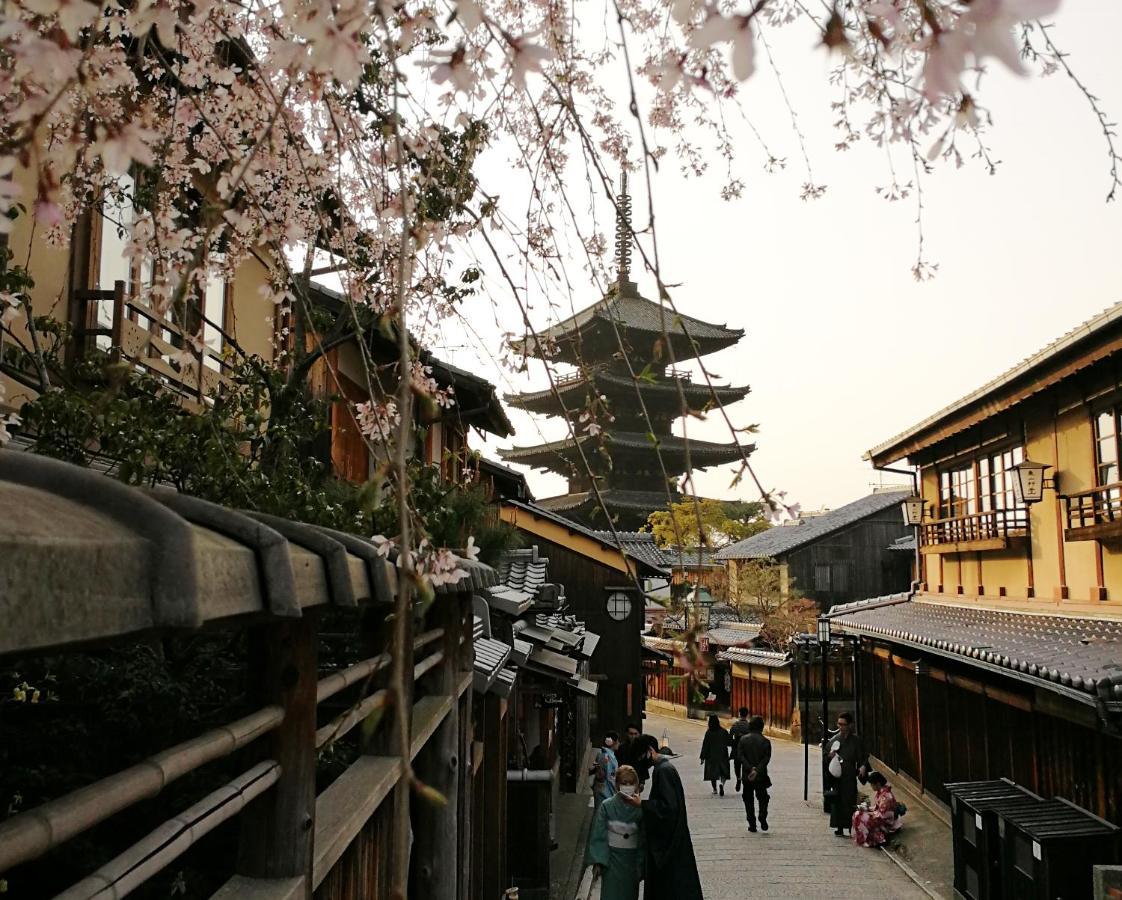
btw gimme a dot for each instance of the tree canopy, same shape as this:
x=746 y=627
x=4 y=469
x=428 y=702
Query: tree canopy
x=697 y=522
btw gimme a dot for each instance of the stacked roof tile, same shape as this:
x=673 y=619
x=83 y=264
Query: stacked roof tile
x=1079 y=655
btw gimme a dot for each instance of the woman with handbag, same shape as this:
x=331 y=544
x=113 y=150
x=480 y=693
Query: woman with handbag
x=846 y=761
x=715 y=755
x=875 y=822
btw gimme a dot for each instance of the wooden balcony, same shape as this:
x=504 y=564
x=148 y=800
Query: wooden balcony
x=1094 y=514
x=997 y=529
x=147 y=340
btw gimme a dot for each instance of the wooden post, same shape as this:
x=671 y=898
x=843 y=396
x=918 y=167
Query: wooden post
x=494 y=793
x=277 y=828
x=432 y=868
x=116 y=336
x=377 y=629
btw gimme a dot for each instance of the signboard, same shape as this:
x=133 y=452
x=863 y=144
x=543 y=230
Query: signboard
x=703 y=643
x=548 y=701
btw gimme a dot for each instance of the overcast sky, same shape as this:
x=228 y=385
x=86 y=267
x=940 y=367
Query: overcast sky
x=843 y=348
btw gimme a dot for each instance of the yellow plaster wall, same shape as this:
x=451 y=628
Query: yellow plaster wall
x=1065 y=574
x=251 y=317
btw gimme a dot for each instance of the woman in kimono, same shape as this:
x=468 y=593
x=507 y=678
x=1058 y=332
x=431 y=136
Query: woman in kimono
x=876 y=822
x=715 y=754
x=845 y=759
x=615 y=845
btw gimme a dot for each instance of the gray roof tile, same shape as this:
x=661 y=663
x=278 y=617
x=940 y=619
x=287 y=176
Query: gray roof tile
x=784 y=538
x=1083 y=655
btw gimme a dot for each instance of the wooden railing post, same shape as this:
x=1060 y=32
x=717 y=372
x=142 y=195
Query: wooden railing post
x=433 y=866
x=117 y=332
x=277 y=828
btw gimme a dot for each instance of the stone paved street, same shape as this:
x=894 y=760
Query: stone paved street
x=798 y=857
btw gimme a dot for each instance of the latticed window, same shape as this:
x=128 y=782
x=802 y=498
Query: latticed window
x=983 y=485
x=1106 y=446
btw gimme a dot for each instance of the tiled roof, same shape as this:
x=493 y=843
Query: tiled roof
x=733 y=637
x=522 y=572
x=638 y=544
x=614 y=498
x=772 y=658
x=784 y=538
x=907 y=543
x=702 y=453
x=691 y=559
x=628 y=309
x=576 y=528
x=666 y=645
x=1082 y=657
x=1107 y=318
x=490 y=657
x=695 y=390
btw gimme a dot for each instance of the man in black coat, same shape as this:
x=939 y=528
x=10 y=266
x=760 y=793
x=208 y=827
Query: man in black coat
x=754 y=753
x=737 y=730
x=671 y=867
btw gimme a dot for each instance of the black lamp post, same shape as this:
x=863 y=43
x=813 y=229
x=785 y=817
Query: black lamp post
x=824 y=637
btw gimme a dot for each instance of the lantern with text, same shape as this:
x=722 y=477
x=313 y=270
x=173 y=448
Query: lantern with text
x=913 y=510
x=1029 y=481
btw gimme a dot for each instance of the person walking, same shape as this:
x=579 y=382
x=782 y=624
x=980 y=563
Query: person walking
x=615 y=844
x=671 y=872
x=715 y=754
x=753 y=755
x=846 y=760
x=736 y=732
x=603 y=770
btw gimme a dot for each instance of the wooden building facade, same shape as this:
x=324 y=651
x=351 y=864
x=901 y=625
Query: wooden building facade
x=603 y=584
x=1005 y=662
x=835 y=557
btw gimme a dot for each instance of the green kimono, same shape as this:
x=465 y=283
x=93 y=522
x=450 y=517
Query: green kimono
x=616 y=844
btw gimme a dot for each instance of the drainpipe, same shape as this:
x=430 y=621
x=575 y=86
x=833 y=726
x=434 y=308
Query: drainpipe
x=915 y=490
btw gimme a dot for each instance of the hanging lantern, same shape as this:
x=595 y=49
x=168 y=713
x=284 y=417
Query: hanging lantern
x=913 y=510
x=1028 y=481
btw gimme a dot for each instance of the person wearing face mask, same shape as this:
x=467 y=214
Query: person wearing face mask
x=671 y=872
x=615 y=844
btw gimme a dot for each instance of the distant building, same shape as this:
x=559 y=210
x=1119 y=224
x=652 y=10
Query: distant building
x=636 y=461
x=835 y=556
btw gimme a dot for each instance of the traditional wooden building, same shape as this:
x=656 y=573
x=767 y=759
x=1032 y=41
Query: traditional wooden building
x=636 y=461
x=1007 y=661
x=604 y=584
x=835 y=556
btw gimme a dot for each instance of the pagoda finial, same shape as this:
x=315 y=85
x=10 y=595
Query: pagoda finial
x=623 y=230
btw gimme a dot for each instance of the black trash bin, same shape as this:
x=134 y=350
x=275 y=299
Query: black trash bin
x=1048 y=852
x=974 y=833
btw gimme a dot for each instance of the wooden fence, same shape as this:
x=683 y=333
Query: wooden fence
x=170 y=565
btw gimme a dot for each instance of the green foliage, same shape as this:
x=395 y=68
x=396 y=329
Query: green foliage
x=759 y=589
x=706 y=523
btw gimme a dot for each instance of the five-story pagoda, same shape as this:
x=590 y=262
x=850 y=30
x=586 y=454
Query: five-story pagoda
x=622 y=348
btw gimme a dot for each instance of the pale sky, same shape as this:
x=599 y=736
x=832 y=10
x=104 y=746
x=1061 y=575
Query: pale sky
x=843 y=348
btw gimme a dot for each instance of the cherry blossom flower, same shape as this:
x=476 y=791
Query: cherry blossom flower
x=131 y=143
x=382 y=544
x=451 y=65
x=524 y=56
x=471 y=551
x=737 y=30
x=984 y=30
x=154 y=14
x=73 y=15
x=377 y=421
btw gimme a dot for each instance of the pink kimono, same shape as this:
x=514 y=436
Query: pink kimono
x=872 y=825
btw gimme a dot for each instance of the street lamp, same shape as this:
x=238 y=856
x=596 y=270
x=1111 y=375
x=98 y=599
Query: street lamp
x=824 y=652
x=1029 y=481
x=913 y=510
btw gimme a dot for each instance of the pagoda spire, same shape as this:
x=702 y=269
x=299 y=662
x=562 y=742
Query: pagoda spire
x=623 y=239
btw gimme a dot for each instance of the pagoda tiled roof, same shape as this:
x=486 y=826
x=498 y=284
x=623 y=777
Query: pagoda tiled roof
x=664 y=388
x=616 y=498
x=626 y=308
x=702 y=453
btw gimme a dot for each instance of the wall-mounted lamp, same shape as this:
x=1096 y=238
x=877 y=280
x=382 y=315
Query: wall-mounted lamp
x=913 y=510
x=1029 y=481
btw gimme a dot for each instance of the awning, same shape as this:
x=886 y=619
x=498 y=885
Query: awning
x=1077 y=657
x=591 y=639
x=584 y=686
